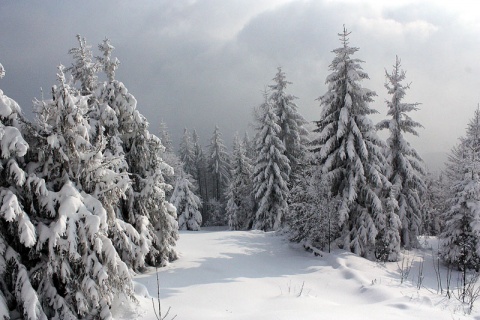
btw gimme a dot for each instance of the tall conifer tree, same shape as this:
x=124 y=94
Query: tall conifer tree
x=200 y=171
x=164 y=136
x=349 y=152
x=18 y=235
x=145 y=205
x=406 y=171
x=292 y=133
x=462 y=219
x=240 y=190
x=270 y=174
x=188 y=205
x=218 y=164
x=187 y=153
x=73 y=224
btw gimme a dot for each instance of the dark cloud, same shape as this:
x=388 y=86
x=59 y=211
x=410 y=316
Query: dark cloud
x=195 y=64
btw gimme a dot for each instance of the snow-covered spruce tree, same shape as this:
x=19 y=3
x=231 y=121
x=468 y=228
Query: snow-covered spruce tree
x=171 y=158
x=349 y=152
x=219 y=175
x=164 y=136
x=84 y=69
x=388 y=241
x=145 y=206
x=234 y=223
x=187 y=203
x=76 y=260
x=406 y=171
x=462 y=220
x=216 y=213
x=434 y=204
x=218 y=165
x=301 y=217
x=200 y=174
x=132 y=235
x=186 y=153
x=270 y=174
x=149 y=195
x=18 y=237
x=240 y=190
x=249 y=146
x=103 y=119
x=471 y=144
x=454 y=169
x=311 y=217
x=460 y=237
x=292 y=124
x=188 y=157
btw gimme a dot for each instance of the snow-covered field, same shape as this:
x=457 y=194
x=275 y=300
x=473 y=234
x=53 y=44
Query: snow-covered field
x=256 y=275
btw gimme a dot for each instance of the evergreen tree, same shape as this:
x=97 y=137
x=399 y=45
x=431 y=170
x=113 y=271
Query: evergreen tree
x=218 y=165
x=239 y=193
x=434 y=204
x=471 y=144
x=190 y=171
x=454 y=168
x=79 y=258
x=132 y=238
x=453 y=173
x=406 y=172
x=169 y=156
x=200 y=174
x=234 y=223
x=18 y=235
x=106 y=61
x=348 y=151
x=165 y=137
x=84 y=70
x=311 y=219
x=187 y=153
x=460 y=237
x=216 y=213
x=292 y=133
x=72 y=223
x=270 y=175
x=144 y=206
x=387 y=245
x=249 y=146
x=188 y=205
x=149 y=196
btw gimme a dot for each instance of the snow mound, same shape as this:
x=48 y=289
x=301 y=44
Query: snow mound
x=141 y=290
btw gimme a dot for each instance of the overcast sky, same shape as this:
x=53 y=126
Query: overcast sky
x=195 y=64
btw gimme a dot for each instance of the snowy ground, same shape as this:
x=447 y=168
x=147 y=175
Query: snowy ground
x=255 y=275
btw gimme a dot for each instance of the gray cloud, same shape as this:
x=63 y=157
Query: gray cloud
x=198 y=63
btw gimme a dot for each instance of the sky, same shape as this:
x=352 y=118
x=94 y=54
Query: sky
x=196 y=64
